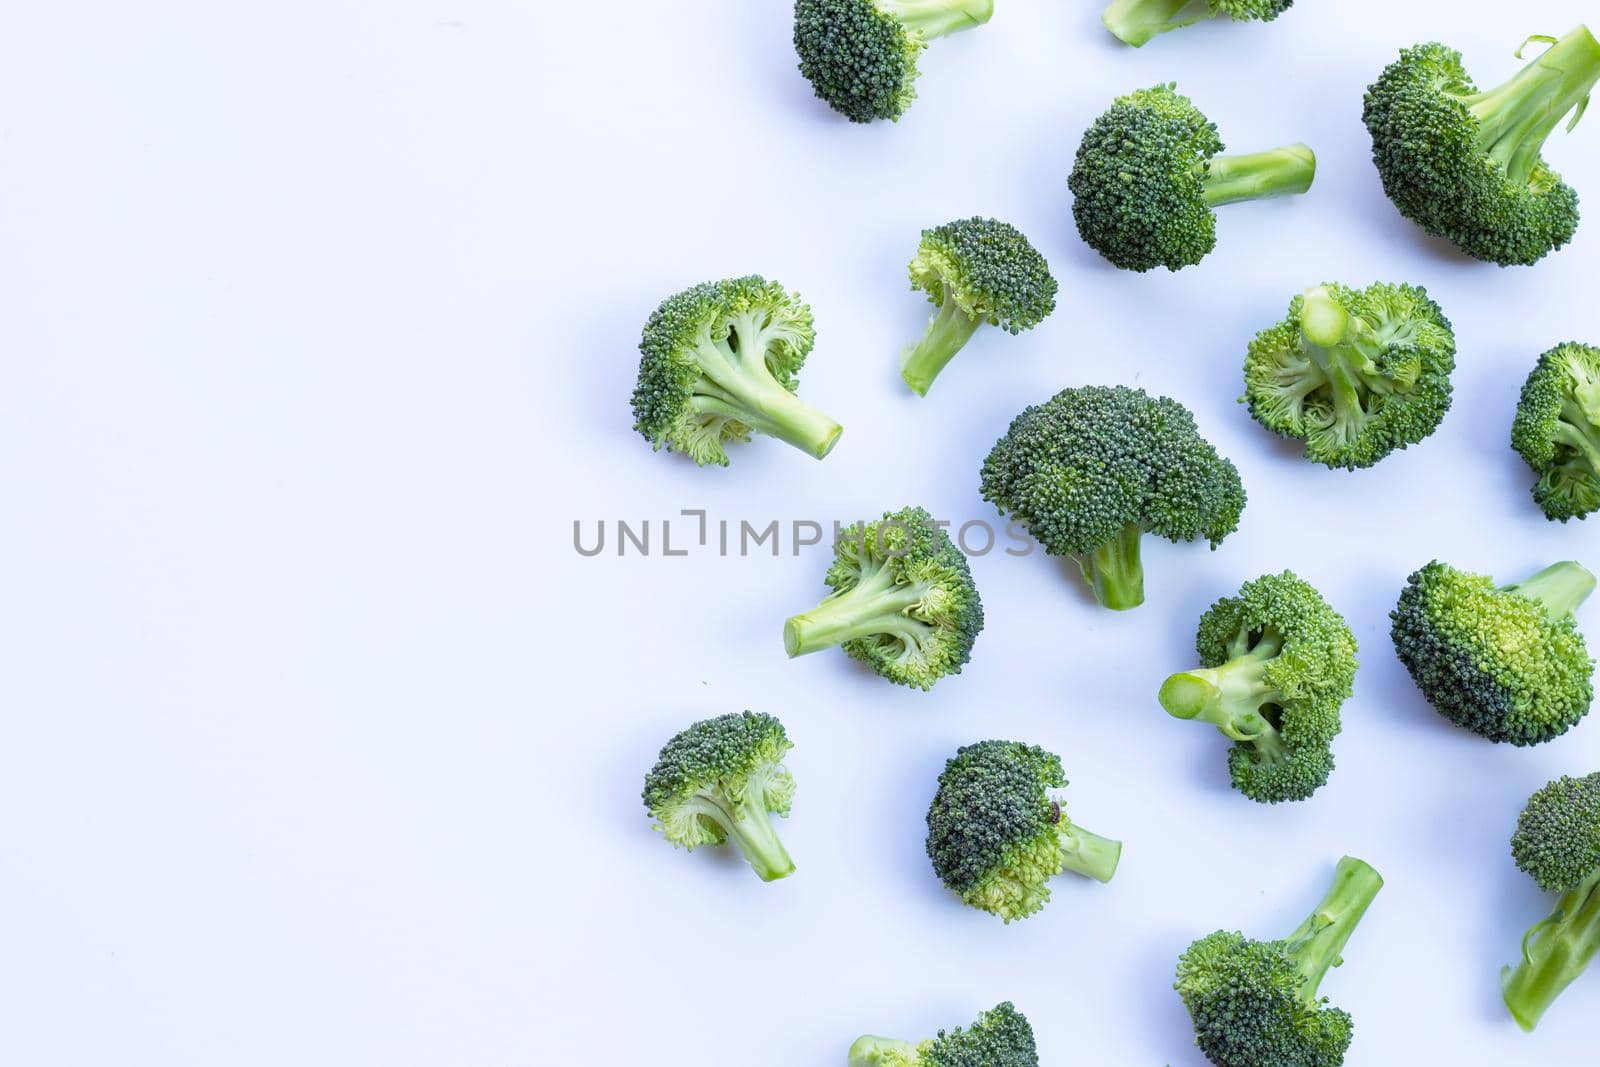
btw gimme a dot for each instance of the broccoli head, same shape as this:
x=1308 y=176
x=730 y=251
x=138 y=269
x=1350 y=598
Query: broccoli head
x=1137 y=21
x=1508 y=664
x=1093 y=469
x=977 y=271
x=1557 y=844
x=996 y=836
x=1255 y=1003
x=1001 y=1037
x=1464 y=164
x=1149 y=172
x=719 y=363
x=1557 y=430
x=1356 y=374
x=861 y=55
x=903 y=601
x=718 y=781
x=1277 y=663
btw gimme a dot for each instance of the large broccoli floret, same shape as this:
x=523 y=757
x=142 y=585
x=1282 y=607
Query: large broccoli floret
x=1149 y=172
x=1093 y=469
x=861 y=55
x=1255 y=1003
x=1356 y=374
x=1557 y=430
x=718 y=781
x=1465 y=165
x=1136 y=21
x=1557 y=844
x=1277 y=664
x=977 y=271
x=903 y=601
x=1507 y=663
x=1001 y=1037
x=719 y=363
x=996 y=835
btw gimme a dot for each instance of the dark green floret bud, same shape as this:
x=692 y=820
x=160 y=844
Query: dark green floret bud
x=1354 y=373
x=1557 y=430
x=903 y=601
x=1001 y=1037
x=1093 y=469
x=1135 y=22
x=1507 y=663
x=976 y=271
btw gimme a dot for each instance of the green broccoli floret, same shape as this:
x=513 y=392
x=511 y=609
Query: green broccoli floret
x=1149 y=172
x=718 y=781
x=1557 y=844
x=861 y=55
x=719 y=363
x=997 y=837
x=1356 y=374
x=903 y=601
x=1093 y=469
x=1465 y=165
x=1136 y=21
x=1255 y=1003
x=1001 y=1037
x=977 y=271
x=1277 y=664
x=1557 y=430
x=1508 y=664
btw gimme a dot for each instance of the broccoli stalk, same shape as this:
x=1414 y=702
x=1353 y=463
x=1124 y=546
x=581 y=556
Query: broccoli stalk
x=933 y=19
x=1560 y=588
x=1515 y=118
x=1554 y=953
x=743 y=390
x=870 y=1050
x=1086 y=853
x=1114 y=570
x=877 y=604
x=947 y=334
x=1231 y=697
x=1136 y=22
x=743 y=821
x=1000 y=1037
x=1286 y=171
x=1317 y=943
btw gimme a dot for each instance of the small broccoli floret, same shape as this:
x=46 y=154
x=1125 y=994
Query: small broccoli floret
x=1557 y=844
x=903 y=601
x=861 y=55
x=718 y=781
x=1001 y=1037
x=1149 y=172
x=1137 y=21
x=719 y=362
x=977 y=271
x=997 y=837
x=1093 y=469
x=1557 y=430
x=1277 y=664
x=1356 y=374
x=1508 y=664
x=1255 y=1003
x=1465 y=165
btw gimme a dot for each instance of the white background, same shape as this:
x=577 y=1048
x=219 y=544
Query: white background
x=321 y=743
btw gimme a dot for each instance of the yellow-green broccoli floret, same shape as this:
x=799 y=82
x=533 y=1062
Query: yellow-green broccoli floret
x=1137 y=21
x=1001 y=1037
x=1557 y=430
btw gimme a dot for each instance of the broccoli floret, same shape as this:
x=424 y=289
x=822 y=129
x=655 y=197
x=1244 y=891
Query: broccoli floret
x=996 y=835
x=1093 y=469
x=1557 y=844
x=977 y=271
x=1277 y=664
x=861 y=55
x=1508 y=664
x=718 y=781
x=1465 y=165
x=1136 y=21
x=1356 y=374
x=719 y=363
x=903 y=601
x=1149 y=172
x=1557 y=430
x=1001 y=1037
x=1255 y=1003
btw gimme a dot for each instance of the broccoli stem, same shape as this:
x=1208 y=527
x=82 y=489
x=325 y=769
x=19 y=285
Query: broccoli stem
x=871 y=1051
x=1136 y=21
x=1560 y=587
x=1316 y=943
x=938 y=18
x=1515 y=118
x=1284 y=171
x=1230 y=697
x=948 y=332
x=874 y=605
x=738 y=384
x=1554 y=952
x=1114 y=571
x=1575 y=429
x=749 y=827
x=1341 y=345
x=1088 y=854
